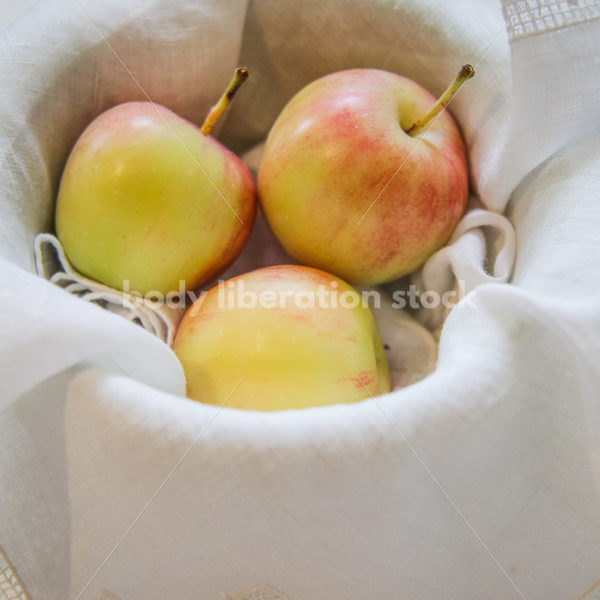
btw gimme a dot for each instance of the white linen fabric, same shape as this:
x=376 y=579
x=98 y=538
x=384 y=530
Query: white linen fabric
x=157 y=317
x=482 y=480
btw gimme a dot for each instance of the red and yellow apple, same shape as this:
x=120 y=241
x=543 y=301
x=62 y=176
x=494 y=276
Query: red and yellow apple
x=281 y=337
x=352 y=181
x=147 y=200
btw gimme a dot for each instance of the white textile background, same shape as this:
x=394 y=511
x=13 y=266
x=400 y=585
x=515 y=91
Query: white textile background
x=480 y=481
x=11 y=10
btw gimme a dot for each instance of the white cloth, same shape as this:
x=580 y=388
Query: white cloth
x=477 y=481
x=159 y=318
x=481 y=250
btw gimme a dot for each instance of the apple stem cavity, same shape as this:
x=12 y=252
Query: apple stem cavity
x=466 y=72
x=240 y=75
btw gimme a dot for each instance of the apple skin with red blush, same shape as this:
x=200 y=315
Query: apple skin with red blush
x=288 y=336
x=147 y=200
x=346 y=189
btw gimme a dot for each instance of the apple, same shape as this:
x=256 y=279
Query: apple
x=363 y=176
x=147 y=199
x=281 y=337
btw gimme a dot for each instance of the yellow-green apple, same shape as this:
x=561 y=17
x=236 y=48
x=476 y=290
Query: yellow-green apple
x=282 y=337
x=355 y=182
x=147 y=199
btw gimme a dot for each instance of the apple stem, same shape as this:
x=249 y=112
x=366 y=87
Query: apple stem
x=466 y=72
x=240 y=75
